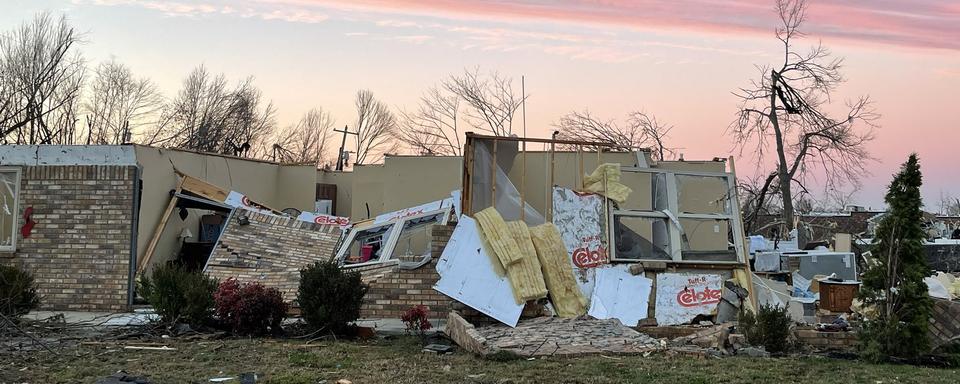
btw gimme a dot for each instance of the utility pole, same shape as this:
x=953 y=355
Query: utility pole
x=343 y=144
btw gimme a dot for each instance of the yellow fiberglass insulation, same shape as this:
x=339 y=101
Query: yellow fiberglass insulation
x=525 y=276
x=608 y=173
x=565 y=294
x=494 y=231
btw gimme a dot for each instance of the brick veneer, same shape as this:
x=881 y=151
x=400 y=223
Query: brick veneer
x=271 y=250
x=79 y=249
x=394 y=290
x=945 y=322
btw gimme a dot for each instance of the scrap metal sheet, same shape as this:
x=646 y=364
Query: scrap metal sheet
x=467 y=275
x=617 y=294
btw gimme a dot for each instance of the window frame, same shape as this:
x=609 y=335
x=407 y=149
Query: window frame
x=396 y=227
x=18 y=176
x=673 y=215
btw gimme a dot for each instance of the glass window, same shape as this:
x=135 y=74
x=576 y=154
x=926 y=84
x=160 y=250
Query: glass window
x=702 y=194
x=9 y=194
x=415 y=236
x=707 y=240
x=368 y=244
x=641 y=238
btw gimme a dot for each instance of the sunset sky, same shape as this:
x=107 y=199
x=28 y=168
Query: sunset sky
x=679 y=60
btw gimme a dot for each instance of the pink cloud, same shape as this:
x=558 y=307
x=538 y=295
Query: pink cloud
x=920 y=23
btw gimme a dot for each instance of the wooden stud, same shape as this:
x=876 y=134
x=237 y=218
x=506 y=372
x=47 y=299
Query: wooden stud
x=493 y=177
x=142 y=264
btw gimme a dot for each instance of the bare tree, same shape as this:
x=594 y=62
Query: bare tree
x=949 y=205
x=641 y=130
x=786 y=109
x=41 y=75
x=375 y=127
x=119 y=104
x=208 y=115
x=433 y=128
x=306 y=141
x=490 y=100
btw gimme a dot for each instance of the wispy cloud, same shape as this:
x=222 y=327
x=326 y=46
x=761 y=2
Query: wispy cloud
x=916 y=23
x=245 y=9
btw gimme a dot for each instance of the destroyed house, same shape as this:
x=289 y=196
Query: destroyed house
x=87 y=220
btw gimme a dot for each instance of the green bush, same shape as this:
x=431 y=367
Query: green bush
x=179 y=295
x=769 y=328
x=18 y=292
x=330 y=298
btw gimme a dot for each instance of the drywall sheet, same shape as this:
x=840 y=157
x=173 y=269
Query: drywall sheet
x=578 y=217
x=525 y=276
x=467 y=275
x=681 y=296
x=619 y=295
x=565 y=295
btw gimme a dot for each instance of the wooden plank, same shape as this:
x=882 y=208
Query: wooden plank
x=142 y=264
x=203 y=188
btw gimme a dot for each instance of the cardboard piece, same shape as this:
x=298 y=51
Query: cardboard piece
x=617 y=294
x=467 y=274
x=681 y=297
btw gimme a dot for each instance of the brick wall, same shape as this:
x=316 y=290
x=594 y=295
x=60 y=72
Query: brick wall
x=79 y=250
x=394 y=290
x=945 y=322
x=271 y=250
x=827 y=340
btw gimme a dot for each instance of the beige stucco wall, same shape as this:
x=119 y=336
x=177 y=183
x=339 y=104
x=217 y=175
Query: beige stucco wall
x=401 y=182
x=265 y=182
x=344 y=183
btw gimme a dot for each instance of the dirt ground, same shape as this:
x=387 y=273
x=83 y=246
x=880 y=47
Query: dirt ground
x=400 y=360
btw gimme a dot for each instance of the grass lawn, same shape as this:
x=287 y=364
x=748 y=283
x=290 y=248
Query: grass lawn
x=400 y=361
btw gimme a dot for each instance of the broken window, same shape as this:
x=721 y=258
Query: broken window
x=9 y=195
x=366 y=245
x=638 y=237
x=387 y=241
x=678 y=215
x=415 y=236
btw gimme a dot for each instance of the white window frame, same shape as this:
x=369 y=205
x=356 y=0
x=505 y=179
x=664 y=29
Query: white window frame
x=391 y=242
x=16 y=208
x=672 y=214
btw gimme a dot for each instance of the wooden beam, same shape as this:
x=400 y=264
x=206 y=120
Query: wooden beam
x=142 y=263
x=202 y=188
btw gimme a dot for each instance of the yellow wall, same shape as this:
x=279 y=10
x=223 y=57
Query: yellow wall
x=344 y=183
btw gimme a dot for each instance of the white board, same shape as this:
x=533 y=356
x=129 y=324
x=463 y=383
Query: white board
x=681 y=296
x=467 y=275
x=323 y=219
x=238 y=200
x=619 y=295
x=413 y=211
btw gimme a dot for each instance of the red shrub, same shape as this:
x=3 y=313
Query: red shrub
x=251 y=308
x=416 y=319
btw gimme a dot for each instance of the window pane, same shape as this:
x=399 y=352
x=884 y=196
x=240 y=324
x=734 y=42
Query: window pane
x=9 y=184
x=640 y=183
x=415 y=236
x=368 y=244
x=702 y=194
x=707 y=240
x=638 y=238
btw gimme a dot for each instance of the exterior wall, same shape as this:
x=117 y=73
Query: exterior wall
x=344 y=183
x=394 y=290
x=271 y=250
x=402 y=182
x=80 y=249
x=278 y=186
